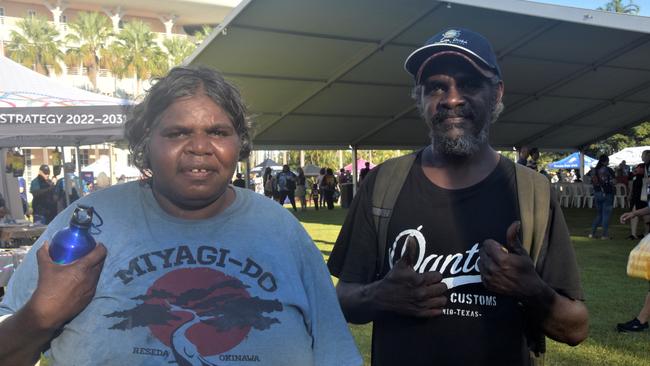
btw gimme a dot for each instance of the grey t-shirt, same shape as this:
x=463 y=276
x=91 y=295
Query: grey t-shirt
x=247 y=287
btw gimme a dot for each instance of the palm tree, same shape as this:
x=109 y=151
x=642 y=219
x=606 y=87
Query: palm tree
x=202 y=34
x=87 y=39
x=35 y=45
x=618 y=7
x=143 y=57
x=178 y=49
x=112 y=58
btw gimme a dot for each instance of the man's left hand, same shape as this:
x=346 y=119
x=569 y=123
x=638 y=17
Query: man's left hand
x=507 y=269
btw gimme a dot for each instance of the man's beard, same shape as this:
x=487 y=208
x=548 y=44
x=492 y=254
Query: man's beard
x=467 y=144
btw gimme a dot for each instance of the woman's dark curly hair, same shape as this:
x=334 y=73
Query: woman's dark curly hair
x=180 y=82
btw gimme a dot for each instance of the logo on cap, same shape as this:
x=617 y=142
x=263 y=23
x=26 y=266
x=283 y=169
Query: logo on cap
x=452 y=33
x=452 y=37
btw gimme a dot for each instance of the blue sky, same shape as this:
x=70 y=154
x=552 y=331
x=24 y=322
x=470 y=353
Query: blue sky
x=593 y=4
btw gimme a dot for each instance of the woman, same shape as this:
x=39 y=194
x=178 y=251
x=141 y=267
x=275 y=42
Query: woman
x=635 y=185
x=319 y=181
x=301 y=189
x=268 y=182
x=192 y=276
x=602 y=179
x=329 y=187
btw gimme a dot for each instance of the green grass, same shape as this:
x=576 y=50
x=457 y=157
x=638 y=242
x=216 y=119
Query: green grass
x=612 y=297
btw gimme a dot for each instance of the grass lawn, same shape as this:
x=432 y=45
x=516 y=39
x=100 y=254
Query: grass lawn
x=612 y=297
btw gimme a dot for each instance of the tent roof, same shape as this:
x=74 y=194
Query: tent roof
x=572 y=162
x=329 y=74
x=631 y=155
x=36 y=110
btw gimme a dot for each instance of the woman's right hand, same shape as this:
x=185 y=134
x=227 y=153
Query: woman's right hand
x=63 y=291
x=626 y=216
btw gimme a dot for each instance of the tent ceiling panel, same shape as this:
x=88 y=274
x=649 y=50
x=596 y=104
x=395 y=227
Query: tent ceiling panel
x=252 y=52
x=575 y=43
x=358 y=100
x=379 y=68
x=529 y=75
x=605 y=83
x=548 y=109
x=339 y=18
x=270 y=96
x=634 y=59
x=342 y=60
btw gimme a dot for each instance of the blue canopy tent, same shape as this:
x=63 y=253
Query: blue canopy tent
x=572 y=162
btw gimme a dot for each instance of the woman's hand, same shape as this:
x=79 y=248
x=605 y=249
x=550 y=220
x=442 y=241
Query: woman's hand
x=63 y=291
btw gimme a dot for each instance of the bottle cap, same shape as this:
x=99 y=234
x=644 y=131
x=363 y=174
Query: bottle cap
x=82 y=216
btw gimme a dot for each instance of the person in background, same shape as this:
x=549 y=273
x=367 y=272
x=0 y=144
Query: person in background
x=635 y=184
x=315 y=195
x=522 y=155
x=269 y=182
x=22 y=191
x=344 y=177
x=221 y=271
x=121 y=179
x=301 y=189
x=43 y=202
x=364 y=171
x=602 y=179
x=534 y=157
x=67 y=183
x=239 y=181
x=319 y=181
x=640 y=322
x=287 y=186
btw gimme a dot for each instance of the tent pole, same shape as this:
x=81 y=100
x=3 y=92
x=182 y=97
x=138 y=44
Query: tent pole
x=248 y=172
x=582 y=164
x=354 y=170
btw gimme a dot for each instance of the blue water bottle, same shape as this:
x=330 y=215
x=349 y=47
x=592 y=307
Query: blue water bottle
x=74 y=241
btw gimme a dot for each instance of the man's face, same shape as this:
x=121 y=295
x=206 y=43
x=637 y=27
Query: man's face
x=193 y=152
x=45 y=172
x=458 y=104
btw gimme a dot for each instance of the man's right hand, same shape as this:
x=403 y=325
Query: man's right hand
x=407 y=292
x=63 y=291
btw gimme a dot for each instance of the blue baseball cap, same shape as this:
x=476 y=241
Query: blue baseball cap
x=465 y=43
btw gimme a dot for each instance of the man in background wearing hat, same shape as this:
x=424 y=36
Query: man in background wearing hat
x=455 y=285
x=43 y=203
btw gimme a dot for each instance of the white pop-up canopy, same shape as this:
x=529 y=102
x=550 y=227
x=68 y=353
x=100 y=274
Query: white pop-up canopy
x=631 y=155
x=36 y=110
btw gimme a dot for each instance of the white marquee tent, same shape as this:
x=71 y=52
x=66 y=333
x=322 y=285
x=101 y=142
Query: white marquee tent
x=631 y=155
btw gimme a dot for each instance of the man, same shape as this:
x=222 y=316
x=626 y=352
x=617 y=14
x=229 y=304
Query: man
x=3 y=209
x=239 y=181
x=364 y=171
x=431 y=299
x=287 y=186
x=534 y=157
x=66 y=185
x=42 y=189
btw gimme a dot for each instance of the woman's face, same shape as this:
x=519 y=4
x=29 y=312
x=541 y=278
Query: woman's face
x=193 y=152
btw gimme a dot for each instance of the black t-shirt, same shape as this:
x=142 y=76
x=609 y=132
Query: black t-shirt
x=477 y=327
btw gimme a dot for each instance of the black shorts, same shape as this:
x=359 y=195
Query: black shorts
x=638 y=204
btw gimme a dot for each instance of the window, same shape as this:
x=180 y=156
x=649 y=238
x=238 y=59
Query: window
x=83 y=157
x=31 y=13
x=2 y=11
x=63 y=18
x=120 y=24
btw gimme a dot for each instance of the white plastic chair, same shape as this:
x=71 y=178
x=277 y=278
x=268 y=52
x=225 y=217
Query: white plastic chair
x=589 y=195
x=620 y=197
x=565 y=194
x=577 y=198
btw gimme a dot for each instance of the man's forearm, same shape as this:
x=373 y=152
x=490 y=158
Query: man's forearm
x=22 y=339
x=562 y=319
x=356 y=301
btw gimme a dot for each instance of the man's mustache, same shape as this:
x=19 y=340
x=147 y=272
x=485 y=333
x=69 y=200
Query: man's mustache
x=459 y=112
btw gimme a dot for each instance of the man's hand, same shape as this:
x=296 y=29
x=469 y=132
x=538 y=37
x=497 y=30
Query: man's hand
x=63 y=291
x=508 y=269
x=407 y=292
x=627 y=216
